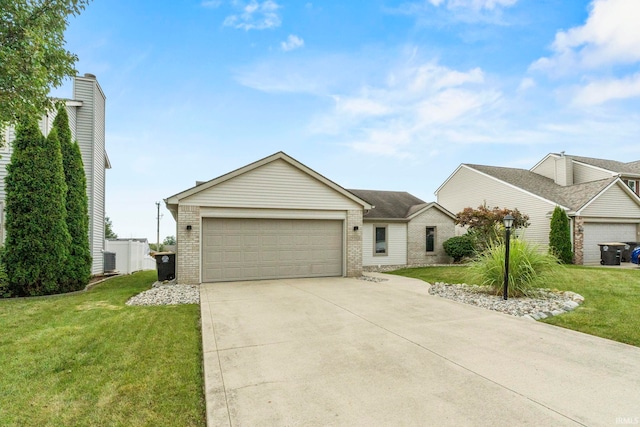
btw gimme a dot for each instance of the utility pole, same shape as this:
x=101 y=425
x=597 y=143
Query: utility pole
x=158 y=218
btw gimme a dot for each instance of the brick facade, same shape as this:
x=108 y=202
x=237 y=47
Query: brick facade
x=417 y=238
x=578 y=240
x=354 y=243
x=188 y=245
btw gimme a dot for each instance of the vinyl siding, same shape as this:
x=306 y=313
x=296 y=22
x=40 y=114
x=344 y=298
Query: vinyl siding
x=5 y=159
x=546 y=168
x=271 y=213
x=396 y=244
x=613 y=203
x=557 y=168
x=274 y=185
x=90 y=134
x=583 y=173
x=469 y=188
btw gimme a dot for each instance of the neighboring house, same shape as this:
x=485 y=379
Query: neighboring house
x=402 y=230
x=274 y=218
x=87 y=122
x=599 y=196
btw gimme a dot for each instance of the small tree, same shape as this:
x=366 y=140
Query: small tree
x=560 y=236
x=108 y=229
x=169 y=240
x=78 y=267
x=36 y=246
x=485 y=223
x=33 y=57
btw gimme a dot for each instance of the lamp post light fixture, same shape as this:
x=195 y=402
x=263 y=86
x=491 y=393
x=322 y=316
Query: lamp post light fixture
x=508 y=223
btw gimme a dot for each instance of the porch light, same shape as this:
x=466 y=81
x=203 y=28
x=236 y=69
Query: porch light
x=508 y=223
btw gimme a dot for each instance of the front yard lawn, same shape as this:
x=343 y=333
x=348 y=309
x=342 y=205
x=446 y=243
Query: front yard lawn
x=90 y=360
x=612 y=298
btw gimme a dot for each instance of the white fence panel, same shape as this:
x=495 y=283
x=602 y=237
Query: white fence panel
x=131 y=255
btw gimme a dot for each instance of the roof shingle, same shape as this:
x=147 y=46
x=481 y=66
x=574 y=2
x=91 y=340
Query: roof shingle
x=389 y=204
x=571 y=196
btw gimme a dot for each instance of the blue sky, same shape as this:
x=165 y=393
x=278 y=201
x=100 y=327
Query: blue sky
x=375 y=94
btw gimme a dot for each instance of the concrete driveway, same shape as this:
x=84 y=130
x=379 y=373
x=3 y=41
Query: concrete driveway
x=348 y=352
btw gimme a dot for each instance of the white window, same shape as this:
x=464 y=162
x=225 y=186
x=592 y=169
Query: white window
x=632 y=185
x=380 y=239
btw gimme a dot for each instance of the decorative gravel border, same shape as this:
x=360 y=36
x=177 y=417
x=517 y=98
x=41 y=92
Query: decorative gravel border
x=167 y=293
x=544 y=303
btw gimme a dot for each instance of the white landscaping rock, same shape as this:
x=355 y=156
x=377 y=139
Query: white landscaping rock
x=168 y=293
x=546 y=303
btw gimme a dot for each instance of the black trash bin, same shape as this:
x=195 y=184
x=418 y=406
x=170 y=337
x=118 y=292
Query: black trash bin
x=166 y=266
x=610 y=253
x=628 y=249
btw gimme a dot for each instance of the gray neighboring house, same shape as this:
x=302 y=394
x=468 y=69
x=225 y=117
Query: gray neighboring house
x=402 y=230
x=599 y=196
x=87 y=122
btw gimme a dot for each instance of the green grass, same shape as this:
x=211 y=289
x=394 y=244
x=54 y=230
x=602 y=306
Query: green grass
x=89 y=360
x=612 y=297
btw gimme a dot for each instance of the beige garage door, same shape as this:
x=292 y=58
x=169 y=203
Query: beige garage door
x=595 y=233
x=253 y=249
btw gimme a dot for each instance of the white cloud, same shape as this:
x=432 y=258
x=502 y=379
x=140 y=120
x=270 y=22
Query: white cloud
x=293 y=42
x=468 y=11
x=610 y=36
x=526 y=83
x=211 y=4
x=255 y=16
x=600 y=91
x=475 y=4
x=360 y=106
x=410 y=107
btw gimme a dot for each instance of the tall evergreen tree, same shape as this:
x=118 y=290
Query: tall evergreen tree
x=560 y=236
x=78 y=266
x=36 y=246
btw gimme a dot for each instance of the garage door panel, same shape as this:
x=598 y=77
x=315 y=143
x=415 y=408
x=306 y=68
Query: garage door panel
x=246 y=249
x=595 y=233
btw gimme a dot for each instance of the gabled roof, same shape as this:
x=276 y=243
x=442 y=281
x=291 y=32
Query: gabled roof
x=173 y=201
x=395 y=205
x=571 y=197
x=612 y=166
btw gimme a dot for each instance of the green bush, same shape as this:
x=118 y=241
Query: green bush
x=78 y=266
x=5 y=290
x=560 y=236
x=37 y=239
x=460 y=247
x=528 y=267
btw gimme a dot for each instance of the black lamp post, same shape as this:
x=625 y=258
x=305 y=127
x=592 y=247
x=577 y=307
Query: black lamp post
x=508 y=223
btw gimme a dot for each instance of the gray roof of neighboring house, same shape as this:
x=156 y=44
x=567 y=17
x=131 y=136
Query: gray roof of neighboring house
x=571 y=196
x=610 y=165
x=390 y=204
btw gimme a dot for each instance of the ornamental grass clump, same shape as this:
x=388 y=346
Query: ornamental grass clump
x=528 y=268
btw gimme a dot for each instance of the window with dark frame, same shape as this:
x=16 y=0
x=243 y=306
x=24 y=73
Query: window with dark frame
x=431 y=239
x=381 y=240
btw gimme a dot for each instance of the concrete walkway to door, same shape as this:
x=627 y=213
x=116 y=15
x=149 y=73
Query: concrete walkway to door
x=348 y=352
